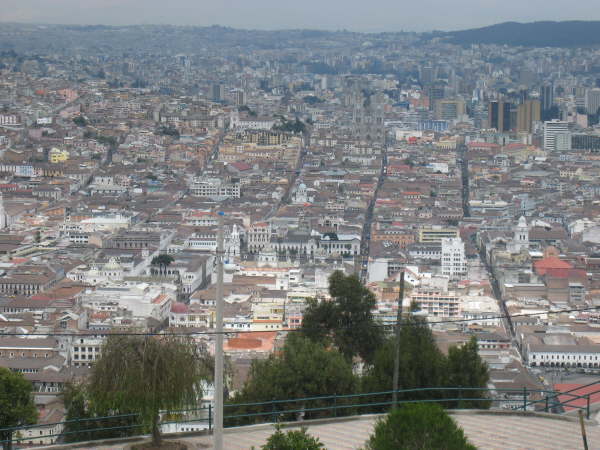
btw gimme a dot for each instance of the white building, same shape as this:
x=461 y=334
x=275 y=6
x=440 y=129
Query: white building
x=143 y=300
x=480 y=310
x=437 y=303
x=557 y=136
x=256 y=123
x=454 y=261
x=582 y=355
x=214 y=188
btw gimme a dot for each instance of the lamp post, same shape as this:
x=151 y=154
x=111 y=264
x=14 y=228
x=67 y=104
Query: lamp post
x=218 y=433
x=397 y=346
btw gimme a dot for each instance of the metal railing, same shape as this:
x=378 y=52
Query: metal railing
x=328 y=406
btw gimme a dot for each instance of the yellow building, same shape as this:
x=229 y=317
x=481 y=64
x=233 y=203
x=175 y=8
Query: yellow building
x=57 y=155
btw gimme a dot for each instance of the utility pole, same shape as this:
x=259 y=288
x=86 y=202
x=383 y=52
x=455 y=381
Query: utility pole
x=583 y=434
x=218 y=432
x=397 y=349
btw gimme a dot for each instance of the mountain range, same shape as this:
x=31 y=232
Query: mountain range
x=573 y=33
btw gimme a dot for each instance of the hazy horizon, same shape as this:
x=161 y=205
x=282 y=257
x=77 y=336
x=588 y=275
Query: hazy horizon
x=334 y=15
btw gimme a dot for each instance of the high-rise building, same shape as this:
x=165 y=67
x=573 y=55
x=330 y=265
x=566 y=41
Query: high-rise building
x=450 y=109
x=239 y=97
x=528 y=112
x=557 y=136
x=499 y=116
x=454 y=262
x=547 y=100
x=592 y=100
x=435 y=93
x=427 y=75
x=217 y=92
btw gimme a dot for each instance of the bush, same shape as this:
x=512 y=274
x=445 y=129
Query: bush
x=420 y=426
x=292 y=440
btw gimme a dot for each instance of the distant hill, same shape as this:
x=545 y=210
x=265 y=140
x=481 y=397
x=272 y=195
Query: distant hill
x=575 y=33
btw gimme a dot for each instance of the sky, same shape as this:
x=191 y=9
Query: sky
x=355 y=15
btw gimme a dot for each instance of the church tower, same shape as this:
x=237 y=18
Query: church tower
x=521 y=233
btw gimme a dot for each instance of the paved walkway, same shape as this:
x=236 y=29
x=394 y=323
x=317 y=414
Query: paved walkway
x=486 y=431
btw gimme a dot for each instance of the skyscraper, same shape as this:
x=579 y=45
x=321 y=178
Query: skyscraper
x=499 y=116
x=592 y=100
x=217 y=92
x=547 y=100
x=527 y=113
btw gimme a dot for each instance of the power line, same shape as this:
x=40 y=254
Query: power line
x=387 y=324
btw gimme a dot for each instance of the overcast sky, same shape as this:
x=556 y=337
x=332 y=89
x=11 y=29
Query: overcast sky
x=357 y=15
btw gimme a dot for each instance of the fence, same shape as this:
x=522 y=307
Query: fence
x=304 y=408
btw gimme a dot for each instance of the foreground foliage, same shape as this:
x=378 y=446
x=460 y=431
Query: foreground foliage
x=347 y=320
x=423 y=426
x=149 y=374
x=423 y=365
x=303 y=369
x=292 y=440
x=16 y=404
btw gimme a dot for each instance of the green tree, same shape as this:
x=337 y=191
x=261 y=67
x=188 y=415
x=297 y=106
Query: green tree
x=347 y=320
x=422 y=426
x=83 y=416
x=79 y=121
x=303 y=369
x=292 y=440
x=162 y=261
x=16 y=404
x=465 y=368
x=422 y=364
x=149 y=374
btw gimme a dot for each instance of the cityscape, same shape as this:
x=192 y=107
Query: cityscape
x=238 y=189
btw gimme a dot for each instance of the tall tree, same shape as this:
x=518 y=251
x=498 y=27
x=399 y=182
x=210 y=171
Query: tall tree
x=16 y=404
x=162 y=261
x=149 y=374
x=303 y=369
x=422 y=364
x=421 y=426
x=85 y=422
x=347 y=320
x=465 y=368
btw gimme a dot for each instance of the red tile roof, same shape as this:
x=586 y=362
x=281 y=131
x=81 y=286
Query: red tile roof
x=552 y=262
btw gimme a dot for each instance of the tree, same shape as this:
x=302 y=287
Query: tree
x=465 y=368
x=147 y=374
x=347 y=320
x=85 y=422
x=303 y=369
x=16 y=404
x=162 y=261
x=419 y=426
x=79 y=121
x=422 y=364
x=292 y=440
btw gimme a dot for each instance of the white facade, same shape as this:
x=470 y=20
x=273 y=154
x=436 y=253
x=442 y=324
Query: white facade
x=143 y=300
x=250 y=124
x=436 y=303
x=454 y=261
x=557 y=136
x=564 y=356
x=214 y=188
